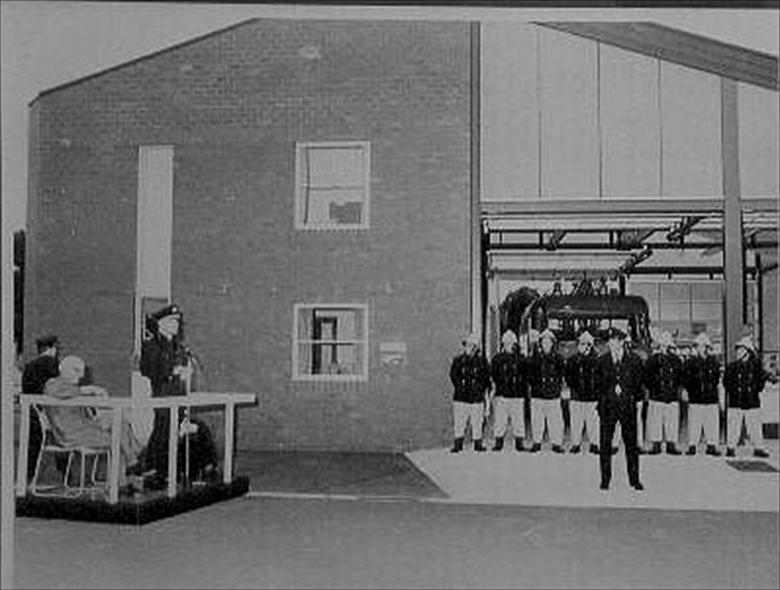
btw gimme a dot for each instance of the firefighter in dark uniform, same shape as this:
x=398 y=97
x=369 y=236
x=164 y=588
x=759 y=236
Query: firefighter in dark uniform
x=165 y=361
x=546 y=383
x=701 y=380
x=743 y=381
x=580 y=374
x=470 y=377
x=663 y=378
x=508 y=370
x=619 y=381
x=36 y=373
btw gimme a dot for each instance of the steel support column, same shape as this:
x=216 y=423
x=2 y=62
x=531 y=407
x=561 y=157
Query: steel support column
x=475 y=227
x=733 y=248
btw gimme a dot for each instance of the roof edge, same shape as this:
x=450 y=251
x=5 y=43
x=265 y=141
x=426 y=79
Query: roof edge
x=141 y=58
x=763 y=71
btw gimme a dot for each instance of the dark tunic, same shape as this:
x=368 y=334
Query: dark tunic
x=700 y=379
x=508 y=372
x=470 y=377
x=614 y=407
x=744 y=380
x=580 y=373
x=546 y=375
x=159 y=356
x=38 y=371
x=664 y=377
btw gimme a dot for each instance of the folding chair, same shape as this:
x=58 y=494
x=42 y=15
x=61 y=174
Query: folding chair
x=49 y=444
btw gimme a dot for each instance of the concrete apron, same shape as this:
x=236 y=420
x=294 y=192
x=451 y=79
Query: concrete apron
x=545 y=479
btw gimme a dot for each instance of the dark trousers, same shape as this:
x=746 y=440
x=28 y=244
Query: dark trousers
x=626 y=415
x=202 y=449
x=156 y=453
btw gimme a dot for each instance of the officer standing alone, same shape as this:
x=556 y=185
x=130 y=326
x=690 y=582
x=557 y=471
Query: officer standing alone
x=619 y=379
x=470 y=377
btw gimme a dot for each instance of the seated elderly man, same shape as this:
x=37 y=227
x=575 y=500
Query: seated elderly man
x=81 y=426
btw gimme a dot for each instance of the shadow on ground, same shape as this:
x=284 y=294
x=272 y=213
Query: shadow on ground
x=364 y=474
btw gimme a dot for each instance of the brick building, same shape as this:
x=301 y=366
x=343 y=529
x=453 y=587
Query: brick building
x=321 y=198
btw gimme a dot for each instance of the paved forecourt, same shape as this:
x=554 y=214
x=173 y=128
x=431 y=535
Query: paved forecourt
x=545 y=479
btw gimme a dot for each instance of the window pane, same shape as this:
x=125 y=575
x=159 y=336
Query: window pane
x=674 y=291
x=336 y=166
x=330 y=359
x=675 y=310
x=706 y=311
x=334 y=205
x=706 y=291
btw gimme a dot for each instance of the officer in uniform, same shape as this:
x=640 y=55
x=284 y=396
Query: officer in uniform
x=701 y=380
x=743 y=381
x=619 y=383
x=470 y=377
x=663 y=376
x=507 y=369
x=580 y=373
x=165 y=361
x=546 y=382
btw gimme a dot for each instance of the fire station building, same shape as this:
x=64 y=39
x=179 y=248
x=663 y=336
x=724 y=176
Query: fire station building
x=335 y=203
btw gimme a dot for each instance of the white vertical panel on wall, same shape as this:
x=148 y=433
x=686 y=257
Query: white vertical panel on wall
x=691 y=149
x=569 y=130
x=759 y=138
x=155 y=220
x=509 y=129
x=630 y=124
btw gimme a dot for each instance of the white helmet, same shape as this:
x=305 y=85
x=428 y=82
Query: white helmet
x=702 y=339
x=547 y=334
x=509 y=338
x=586 y=338
x=745 y=342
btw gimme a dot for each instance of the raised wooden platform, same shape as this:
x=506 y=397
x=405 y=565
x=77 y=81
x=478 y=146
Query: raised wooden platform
x=139 y=509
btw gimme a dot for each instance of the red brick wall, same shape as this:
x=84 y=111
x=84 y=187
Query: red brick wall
x=234 y=104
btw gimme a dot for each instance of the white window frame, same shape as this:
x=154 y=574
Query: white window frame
x=296 y=342
x=300 y=196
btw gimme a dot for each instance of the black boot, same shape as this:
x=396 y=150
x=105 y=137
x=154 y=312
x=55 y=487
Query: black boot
x=712 y=450
x=557 y=449
x=478 y=446
x=535 y=448
x=671 y=449
x=458 y=446
x=655 y=449
x=519 y=445
x=730 y=452
x=760 y=453
x=691 y=450
x=575 y=449
x=499 y=443
x=594 y=449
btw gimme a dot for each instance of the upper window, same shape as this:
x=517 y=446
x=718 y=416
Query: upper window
x=332 y=185
x=330 y=342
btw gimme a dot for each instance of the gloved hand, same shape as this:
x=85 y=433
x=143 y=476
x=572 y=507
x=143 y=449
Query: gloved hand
x=187 y=427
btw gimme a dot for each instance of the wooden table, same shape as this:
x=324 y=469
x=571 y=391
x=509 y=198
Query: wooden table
x=116 y=405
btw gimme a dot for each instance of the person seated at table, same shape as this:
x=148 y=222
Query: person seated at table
x=80 y=425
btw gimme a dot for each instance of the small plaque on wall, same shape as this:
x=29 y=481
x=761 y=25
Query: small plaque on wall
x=392 y=354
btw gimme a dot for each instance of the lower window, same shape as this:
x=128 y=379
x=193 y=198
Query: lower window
x=330 y=342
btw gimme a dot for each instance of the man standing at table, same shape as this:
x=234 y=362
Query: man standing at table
x=34 y=377
x=619 y=380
